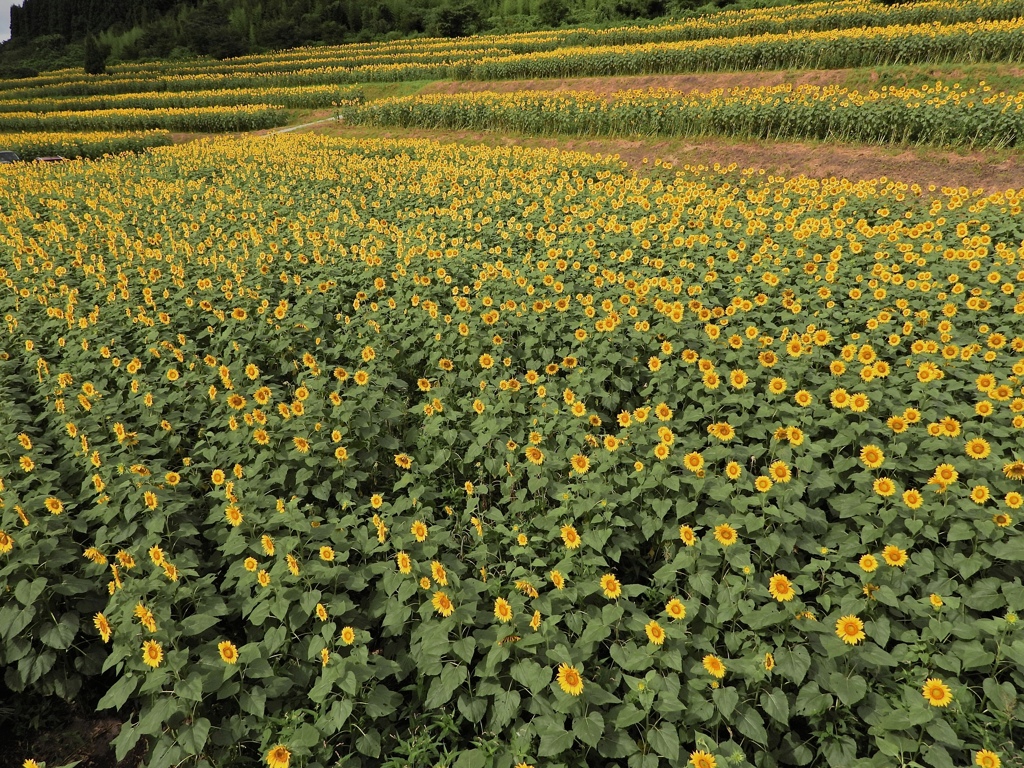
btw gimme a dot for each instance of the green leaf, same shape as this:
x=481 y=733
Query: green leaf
x=369 y=744
x=726 y=700
x=444 y=685
x=191 y=688
x=61 y=634
x=27 y=592
x=197 y=623
x=118 y=693
x=472 y=758
x=192 y=738
x=554 y=739
x=793 y=663
x=588 y=729
x=665 y=741
x=775 y=705
x=473 y=709
x=850 y=690
x=532 y=675
x=750 y=724
x=628 y=715
x=506 y=706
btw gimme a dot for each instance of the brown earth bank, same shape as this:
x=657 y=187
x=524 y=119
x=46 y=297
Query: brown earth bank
x=861 y=78
x=991 y=171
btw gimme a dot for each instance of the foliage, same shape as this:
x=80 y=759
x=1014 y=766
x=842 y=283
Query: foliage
x=306 y=97
x=687 y=461
x=246 y=117
x=29 y=146
x=95 y=57
x=958 y=115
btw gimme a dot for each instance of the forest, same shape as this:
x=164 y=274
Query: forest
x=47 y=34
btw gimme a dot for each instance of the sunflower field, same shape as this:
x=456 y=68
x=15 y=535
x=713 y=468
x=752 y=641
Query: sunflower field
x=940 y=114
x=333 y=452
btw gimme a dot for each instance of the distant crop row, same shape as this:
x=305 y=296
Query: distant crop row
x=202 y=119
x=309 y=97
x=968 y=42
x=938 y=114
x=29 y=146
x=816 y=35
x=798 y=18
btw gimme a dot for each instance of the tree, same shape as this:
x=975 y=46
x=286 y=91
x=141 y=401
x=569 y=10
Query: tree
x=454 y=21
x=552 y=13
x=95 y=57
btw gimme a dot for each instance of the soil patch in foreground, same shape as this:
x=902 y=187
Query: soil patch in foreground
x=990 y=170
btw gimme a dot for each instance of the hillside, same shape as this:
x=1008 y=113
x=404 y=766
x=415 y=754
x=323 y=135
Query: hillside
x=48 y=34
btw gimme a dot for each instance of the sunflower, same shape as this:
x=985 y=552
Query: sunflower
x=1002 y=519
x=54 y=505
x=1013 y=500
x=404 y=562
x=263 y=578
x=661 y=451
x=714 y=666
x=403 y=460
x=502 y=610
x=580 y=463
x=611 y=586
x=780 y=472
x=978 y=448
x=570 y=537
x=850 y=629
x=233 y=515
x=278 y=756
x=675 y=609
x=884 y=486
x=438 y=573
x=895 y=556
x=733 y=470
x=152 y=653
x=327 y=553
x=913 y=498
x=321 y=612
x=663 y=412
x=103 y=626
x=872 y=456
x=348 y=635
x=442 y=604
x=859 y=402
x=419 y=530
x=701 y=759
x=937 y=692
x=570 y=680
x=557 y=579
x=654 y=632
x=228 y=652
x=769 y=662
x=534 y=455
x=1014 y=470
x=868 y=563
x=987 y=759
x=725 y=534
x=693 y=461
x=781 y=588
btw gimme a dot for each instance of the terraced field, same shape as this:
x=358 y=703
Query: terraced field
x=633 y=397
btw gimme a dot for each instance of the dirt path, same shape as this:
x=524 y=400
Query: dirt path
x=988 y=170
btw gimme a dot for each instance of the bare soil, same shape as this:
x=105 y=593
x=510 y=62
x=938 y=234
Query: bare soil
x=706 y=81
x=990 y=170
